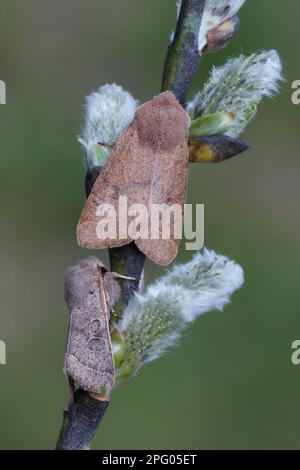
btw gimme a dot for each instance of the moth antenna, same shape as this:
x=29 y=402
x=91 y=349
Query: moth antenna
x=120 y=276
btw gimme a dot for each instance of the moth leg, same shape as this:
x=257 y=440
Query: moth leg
x=99 y=396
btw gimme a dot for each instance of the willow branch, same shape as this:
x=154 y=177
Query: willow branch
x=81 y=421
x=183 y=56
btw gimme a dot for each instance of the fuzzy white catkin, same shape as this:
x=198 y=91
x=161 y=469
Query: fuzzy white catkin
x=208 y=282
x=154 y=321
x=238 y=87
x=108 y=112
x=215 y=13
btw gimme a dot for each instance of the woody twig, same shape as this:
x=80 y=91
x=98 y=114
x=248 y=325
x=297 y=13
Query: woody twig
x=183 y=55
x=81 y=421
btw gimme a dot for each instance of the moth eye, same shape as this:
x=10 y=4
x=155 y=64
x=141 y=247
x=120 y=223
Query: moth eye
x=94 y=326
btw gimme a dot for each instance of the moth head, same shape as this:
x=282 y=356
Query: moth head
x=162 y=122
x=78 y=278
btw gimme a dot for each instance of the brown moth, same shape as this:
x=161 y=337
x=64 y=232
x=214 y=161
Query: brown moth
x=90 y=293
x=149 y=165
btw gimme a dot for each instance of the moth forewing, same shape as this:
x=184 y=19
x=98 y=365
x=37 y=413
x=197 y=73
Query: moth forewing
x=89 y=360
x=149 y=166
x=102 y=295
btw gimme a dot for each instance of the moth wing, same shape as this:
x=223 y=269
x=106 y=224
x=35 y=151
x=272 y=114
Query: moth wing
x=128 y=174
x=104 y=375
x=170 y=192
x=89 y=359
x=109 y=186
x=162 y=126
x=149 y=166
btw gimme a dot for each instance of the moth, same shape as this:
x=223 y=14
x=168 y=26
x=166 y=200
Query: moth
x=148 y=165
x=90 y=293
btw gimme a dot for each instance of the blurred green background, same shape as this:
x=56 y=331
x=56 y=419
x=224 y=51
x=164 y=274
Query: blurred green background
x=230 y=383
